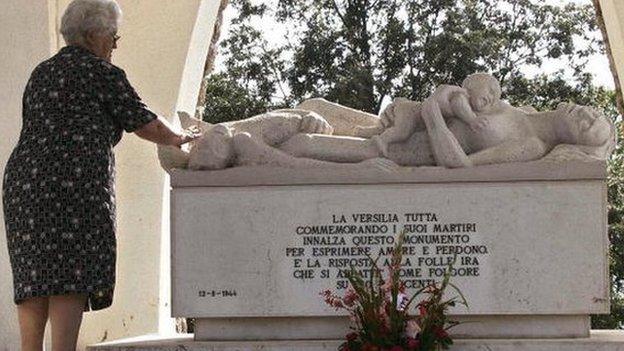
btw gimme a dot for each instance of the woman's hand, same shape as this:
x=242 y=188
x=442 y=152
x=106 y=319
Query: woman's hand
x=186 y=136
x=160 y=131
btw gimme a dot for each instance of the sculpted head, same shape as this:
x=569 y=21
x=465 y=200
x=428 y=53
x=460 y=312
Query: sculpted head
x=213 y=150
x=585 y=125
x=483 y=90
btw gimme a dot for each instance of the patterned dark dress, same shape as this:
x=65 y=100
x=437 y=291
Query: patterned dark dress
x=59 y=194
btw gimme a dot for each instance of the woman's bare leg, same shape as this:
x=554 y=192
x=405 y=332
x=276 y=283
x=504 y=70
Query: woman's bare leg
x=65 y=317
x=33 y=315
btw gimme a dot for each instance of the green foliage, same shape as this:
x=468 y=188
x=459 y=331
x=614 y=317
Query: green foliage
x=253 y=80
x=616 y=236
x=358 y=52
x=380 y=310
x=229 y=99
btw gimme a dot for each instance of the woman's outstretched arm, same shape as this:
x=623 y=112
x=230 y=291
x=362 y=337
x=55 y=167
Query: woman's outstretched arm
x=160 y=131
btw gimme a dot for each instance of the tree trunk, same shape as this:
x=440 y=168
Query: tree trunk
x=212 y=54
x=603 y=29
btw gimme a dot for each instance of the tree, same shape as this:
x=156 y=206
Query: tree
x=359 y=52
x=390 y=48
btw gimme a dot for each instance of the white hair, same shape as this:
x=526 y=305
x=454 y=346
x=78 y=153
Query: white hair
x=87 y=16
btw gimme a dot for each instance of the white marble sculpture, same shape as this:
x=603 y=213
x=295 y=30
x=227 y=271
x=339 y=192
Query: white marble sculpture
x=479 y=93
x=455 y=127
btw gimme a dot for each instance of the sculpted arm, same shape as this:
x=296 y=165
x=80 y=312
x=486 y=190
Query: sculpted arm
x=517 y=150
x=460 y=105
x=368 y=132
x=446 y=149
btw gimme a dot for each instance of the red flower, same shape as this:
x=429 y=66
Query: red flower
x=369 y=347
x=430 y=289
x=413 y=344
x=396 y=348
x=440 y=333
x=422 y=310
x=352 y=336
x=350 y=297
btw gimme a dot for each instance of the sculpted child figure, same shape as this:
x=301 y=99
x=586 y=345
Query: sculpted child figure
x=215 y=149
x=479 y=93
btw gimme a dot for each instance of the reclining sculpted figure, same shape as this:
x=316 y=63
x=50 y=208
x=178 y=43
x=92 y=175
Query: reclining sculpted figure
x=305 y=137
x=257 y=141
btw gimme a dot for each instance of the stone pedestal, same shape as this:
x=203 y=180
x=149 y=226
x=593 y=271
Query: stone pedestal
x=253 y=247
x=603 y=340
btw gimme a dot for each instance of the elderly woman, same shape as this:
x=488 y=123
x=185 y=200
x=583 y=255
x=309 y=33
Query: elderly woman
x=59 y=199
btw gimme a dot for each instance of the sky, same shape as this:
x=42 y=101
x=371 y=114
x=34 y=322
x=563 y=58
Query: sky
x=599 y=64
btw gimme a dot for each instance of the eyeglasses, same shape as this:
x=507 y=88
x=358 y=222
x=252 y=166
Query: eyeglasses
x=115 y=38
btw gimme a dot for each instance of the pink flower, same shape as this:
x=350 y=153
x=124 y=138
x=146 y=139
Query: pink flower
x=352 y=336
x=402 y=287
x=387 y=285
x=412 y=329
x=332 y=299
x=337 y=303
x=383 y=315
x=422 y=309
x=350 y=297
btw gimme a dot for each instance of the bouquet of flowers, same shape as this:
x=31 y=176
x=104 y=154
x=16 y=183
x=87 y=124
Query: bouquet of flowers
x=379 y=309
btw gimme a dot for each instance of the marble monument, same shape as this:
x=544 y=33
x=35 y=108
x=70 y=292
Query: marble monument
x=271 y=210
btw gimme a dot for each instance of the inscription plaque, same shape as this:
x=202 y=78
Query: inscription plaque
x=329 y=250
x=267 y=251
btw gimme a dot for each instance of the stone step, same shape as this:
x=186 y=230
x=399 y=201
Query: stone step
x=599 y=340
